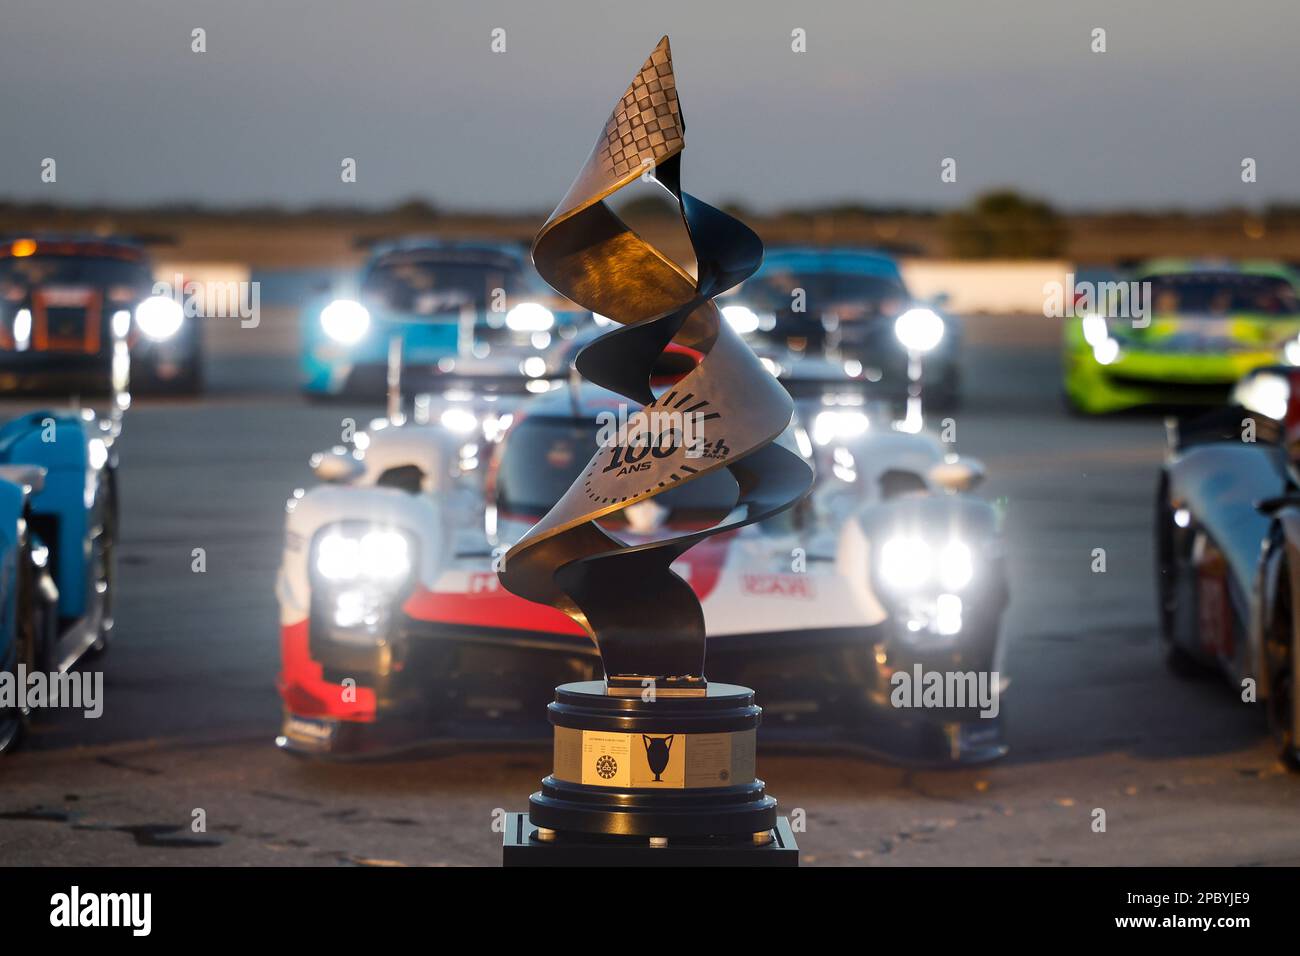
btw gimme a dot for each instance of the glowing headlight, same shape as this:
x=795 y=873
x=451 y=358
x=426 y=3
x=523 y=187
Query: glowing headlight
x=741 y=318
x=385 y=555
x=1095 y=330
x=919 y=330
x=1106 y=351
x=1291 y=352
x=909 y=563
x=905 y=562
x=947 y=615
x=956 y=567
x=22 y=329
x=338 y=557
x=840 y=424
x=345 y=321
x=121 y=324
x=159 y=317
x=529 y=317
x=459 y=420
x=96 y=453
x=1266 y=394
x=378 y=555
x=356 y=607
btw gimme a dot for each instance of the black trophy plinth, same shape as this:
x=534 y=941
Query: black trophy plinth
x=632 y=775
x=523 y=848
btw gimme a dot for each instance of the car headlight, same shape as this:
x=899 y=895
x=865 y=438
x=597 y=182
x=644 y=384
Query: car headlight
x=529 y=317
x=462 y=421
x=22 y=329
x=920 y=330
x=906 y=563
x=741 y=318
x=1095 y=329
x=838 y=424
x=159 y=317
x=376 y=556
x=909 y=563
x=345 y=321
x=1106 y=352
x=121 y=324
x=956 y=567
x=1266 y=393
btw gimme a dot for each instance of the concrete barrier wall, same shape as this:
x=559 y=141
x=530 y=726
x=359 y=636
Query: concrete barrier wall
x=998 y=288
x=276 y=328
x=995 y=286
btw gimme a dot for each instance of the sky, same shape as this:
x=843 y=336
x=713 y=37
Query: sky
x=886 y=90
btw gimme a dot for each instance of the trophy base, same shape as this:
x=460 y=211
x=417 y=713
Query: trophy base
x=525 y=844
x=669 y=768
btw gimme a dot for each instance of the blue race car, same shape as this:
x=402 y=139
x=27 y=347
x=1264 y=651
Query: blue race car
x=58 y=526
x=73 y=309
x=849 y=306
x=447 y=303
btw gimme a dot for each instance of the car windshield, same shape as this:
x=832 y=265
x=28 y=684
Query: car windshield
x=438 y=283
x=543 y=456
x=19 y=275
x=854 y=294
x=1223 y=294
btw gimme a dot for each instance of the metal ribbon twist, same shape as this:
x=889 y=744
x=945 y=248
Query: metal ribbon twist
x=646 y=621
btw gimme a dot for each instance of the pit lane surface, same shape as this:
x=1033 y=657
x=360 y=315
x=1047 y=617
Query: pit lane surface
x=1182 y=769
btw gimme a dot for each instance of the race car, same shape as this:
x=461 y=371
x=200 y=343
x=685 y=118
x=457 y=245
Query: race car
x=447 y=303
x=851 y=306
x=79 y=315
x=58 y=528
x=1228 y=547
x=396 y=632
x=1183 y=333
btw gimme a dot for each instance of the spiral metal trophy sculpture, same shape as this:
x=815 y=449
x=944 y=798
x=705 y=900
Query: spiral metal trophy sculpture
x=646 y=621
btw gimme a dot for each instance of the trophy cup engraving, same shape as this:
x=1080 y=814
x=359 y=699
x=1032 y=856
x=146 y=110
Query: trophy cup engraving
x=695 y=784
x=657 y=752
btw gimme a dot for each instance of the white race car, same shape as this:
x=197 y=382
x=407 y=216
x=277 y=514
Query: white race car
x=842 y=612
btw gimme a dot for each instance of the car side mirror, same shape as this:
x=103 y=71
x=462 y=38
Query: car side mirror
x=1271 y=506
x=336 y=469
x=961 y=474
x=31 y=477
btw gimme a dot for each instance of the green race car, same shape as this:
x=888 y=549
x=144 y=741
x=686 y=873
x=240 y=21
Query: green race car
x=1189 y=331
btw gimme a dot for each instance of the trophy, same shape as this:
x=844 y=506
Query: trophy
x=653 y=764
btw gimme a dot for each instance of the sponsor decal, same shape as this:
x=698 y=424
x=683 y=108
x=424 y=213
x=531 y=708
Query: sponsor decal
x=779 y=585
x=484 y=582
x=309 y=731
